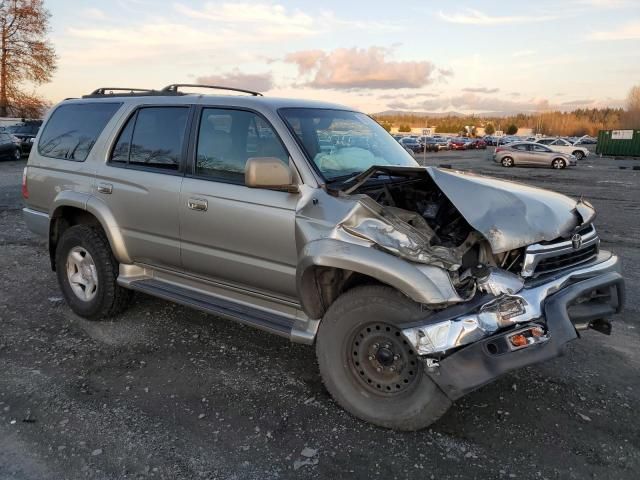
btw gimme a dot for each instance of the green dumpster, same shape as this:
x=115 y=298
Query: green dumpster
x=619 y=142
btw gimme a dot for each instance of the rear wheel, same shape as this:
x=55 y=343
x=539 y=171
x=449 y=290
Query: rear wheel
x=578 y=154
x=87 y=273
x=558 y=163
x=507 y=162
x=17 y=154
x=368 y=366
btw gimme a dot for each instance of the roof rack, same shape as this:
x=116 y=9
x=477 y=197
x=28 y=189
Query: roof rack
x=173 y=88
x=127 y=92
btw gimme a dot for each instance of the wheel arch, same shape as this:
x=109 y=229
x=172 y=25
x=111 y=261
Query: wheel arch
x=327 y=268
x=79 y=209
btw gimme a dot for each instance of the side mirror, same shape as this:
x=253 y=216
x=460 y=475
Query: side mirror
x=270 y=173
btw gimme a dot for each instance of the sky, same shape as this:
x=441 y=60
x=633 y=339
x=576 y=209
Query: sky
x=431 y=56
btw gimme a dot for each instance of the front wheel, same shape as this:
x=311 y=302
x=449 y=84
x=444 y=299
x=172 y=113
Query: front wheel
x=558 y=163
x=87 y=272
x=17 y=154
x=369 y=368
x=507 y=162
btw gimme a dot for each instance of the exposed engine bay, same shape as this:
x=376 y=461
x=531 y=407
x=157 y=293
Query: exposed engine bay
x=460 y=228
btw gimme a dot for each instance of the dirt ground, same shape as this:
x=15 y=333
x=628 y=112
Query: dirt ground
x=168 y=392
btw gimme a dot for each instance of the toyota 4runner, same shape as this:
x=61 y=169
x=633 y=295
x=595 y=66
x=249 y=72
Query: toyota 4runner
x=416 y=284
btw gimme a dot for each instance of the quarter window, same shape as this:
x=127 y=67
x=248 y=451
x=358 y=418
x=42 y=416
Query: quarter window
x=227 y=138
x=153 y=137
x=72 y=130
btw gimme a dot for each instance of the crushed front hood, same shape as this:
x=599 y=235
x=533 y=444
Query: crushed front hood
x=511 y=215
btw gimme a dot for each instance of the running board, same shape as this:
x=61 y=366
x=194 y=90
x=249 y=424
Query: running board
x=270 y=322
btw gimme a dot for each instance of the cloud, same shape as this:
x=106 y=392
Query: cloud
x=353 y=68
x=260 y=82
x=407 y=96
x=274 y=19
x=481 y=90
x=608 y=4
x=629 y=31
x=523 y=53
x=93 y=14
x=470 y=16
x=578 y=103
x=472 y=103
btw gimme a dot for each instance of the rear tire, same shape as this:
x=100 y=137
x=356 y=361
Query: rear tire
x=578 y=154
x=369 y=368
x=507 y=162
x=17 y=154
x=87 y=272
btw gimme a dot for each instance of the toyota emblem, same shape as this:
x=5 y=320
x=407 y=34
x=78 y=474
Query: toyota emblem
x=576 y=241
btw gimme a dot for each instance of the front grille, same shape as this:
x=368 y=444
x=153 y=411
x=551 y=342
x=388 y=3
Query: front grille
x=565 y=260
x=549 y=257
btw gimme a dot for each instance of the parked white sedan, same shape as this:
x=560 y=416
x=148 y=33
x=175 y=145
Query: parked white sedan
x=561 y=145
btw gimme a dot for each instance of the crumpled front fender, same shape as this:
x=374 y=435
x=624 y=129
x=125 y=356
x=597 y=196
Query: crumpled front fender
x=422 y=283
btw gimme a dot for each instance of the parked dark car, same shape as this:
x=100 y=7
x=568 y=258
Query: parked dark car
x=26 y=133
x=412 y=144
x=477 y=143
x=431 y=144
x=9 y=147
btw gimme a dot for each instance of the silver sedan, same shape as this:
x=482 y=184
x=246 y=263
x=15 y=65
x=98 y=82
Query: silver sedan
x=529 y=154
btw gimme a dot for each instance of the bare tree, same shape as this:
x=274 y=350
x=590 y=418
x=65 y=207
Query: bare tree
x=26 y=55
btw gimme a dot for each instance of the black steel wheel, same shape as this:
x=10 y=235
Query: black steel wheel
x=381 y=359
x=368 y=366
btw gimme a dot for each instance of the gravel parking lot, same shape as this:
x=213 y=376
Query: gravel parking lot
x=168 y=392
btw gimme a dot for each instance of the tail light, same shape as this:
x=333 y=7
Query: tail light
x=498 y=149
x=25 y=190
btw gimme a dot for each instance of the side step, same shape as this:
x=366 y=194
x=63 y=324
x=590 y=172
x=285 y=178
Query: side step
x=270 y=322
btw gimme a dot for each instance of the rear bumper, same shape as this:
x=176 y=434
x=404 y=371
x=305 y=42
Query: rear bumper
x=37 y=222
x=567 y=303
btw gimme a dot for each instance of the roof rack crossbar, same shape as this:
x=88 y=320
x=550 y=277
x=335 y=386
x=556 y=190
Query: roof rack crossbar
x=174 y=88
x=106 y=90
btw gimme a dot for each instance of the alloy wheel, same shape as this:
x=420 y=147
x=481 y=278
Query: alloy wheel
x=82 y=274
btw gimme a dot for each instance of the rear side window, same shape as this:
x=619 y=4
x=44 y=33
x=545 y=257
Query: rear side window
x=153 y=137
x=73 y=129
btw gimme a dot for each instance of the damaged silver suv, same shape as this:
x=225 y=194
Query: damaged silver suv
x=307 y=220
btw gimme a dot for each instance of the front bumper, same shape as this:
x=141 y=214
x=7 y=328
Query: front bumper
x=568 y=301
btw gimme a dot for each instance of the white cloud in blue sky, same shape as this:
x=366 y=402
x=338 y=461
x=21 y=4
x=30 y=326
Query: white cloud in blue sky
x=423 y=55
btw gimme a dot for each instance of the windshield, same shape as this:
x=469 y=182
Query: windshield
x=342 y=143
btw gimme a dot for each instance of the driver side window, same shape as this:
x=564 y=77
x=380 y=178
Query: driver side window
x=228 y=138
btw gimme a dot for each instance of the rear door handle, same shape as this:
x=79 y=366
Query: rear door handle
x=105 y=188
x=198 y=204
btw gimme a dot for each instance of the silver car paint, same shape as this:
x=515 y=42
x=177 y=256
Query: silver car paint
x=285 y=237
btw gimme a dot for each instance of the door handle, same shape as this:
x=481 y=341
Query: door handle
x=105 y=188
x=198 y=204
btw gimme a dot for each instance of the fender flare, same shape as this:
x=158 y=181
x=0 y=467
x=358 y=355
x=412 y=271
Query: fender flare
x=420 y=282
x=97 y=208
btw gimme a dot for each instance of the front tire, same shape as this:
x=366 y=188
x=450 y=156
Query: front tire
x=369 y=368
x=507 y=162
x=558 y=164
x=87 y=272
x=17 y=154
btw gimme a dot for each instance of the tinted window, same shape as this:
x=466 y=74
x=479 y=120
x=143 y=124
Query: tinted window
x=519 y=146
x=559 y=142
x=73 y=129
x=545 y=142
x=227 y=138
x=152 y=137
x=540 y=148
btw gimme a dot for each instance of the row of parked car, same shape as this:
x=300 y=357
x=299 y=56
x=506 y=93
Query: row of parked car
x=435 y=143
x=16 y=140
